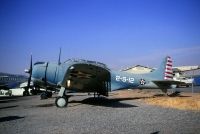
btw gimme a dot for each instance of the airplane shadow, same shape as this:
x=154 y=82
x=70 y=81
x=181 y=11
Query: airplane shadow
x=171 y=95
x=99 y=101
x=106 y=102
x=45 y=105
x=157 y=132
x=10 y=118
x=8 y=99
x=8 y=107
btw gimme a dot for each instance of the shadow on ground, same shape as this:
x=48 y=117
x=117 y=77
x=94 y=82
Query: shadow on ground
x=157 y=132
x=171 y=95
x=106 y=102
x=8 y=107
x=7 y=101
x=10 y=118
x=100 y=101
x=45 y=105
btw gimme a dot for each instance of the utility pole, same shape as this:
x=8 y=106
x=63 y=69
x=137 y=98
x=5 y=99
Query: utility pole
x=192 y=82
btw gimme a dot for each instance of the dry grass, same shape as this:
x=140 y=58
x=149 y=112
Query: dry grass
x=185 y=101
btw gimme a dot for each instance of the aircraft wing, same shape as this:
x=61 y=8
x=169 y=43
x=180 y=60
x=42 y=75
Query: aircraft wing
x=9 y=85
x=167 y=83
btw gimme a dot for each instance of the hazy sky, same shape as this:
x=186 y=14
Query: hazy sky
x=119 y=33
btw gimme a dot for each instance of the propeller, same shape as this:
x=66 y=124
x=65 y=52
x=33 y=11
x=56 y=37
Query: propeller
x=30 y=73
x=29 y=78
x=59 y=57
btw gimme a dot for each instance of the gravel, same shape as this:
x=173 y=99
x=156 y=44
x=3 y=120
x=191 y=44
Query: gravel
x=86 y=115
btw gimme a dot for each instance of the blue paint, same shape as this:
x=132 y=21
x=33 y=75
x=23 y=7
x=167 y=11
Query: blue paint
x=197 y=81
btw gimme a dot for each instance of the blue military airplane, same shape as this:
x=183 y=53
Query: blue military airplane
x=90 y=76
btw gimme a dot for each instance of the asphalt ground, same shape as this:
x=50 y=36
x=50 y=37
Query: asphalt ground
x=88 y=115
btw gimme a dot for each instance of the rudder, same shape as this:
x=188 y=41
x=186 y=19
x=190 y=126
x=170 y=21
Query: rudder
x=168 y=69
x=164 y=72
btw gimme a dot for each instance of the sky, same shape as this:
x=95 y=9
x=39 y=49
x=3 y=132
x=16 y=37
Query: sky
x=119 y=33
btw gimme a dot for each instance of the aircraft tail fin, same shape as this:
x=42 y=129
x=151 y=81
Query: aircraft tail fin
x=164 y=72
x=168 y=69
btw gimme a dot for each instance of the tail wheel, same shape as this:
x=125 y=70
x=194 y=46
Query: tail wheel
x=61 y=101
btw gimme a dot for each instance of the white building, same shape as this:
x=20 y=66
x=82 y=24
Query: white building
x=138 y=69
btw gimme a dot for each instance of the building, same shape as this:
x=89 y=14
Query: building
x=138 y=69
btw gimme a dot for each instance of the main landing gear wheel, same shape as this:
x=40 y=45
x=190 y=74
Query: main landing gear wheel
x=61 y=101
x=49 y=94
x=43 y=96
x=33 y=92
x=25 y=93
x=46 y=95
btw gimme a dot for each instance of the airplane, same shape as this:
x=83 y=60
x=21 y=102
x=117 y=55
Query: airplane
x=8 y=81
x=90 y=76
x=15 y=81
x=186 y=74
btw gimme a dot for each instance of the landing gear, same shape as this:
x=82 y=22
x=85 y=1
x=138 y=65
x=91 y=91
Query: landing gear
x=43 y=96
x=61 y=101
x=46 y=95
x=25 y=93
x=174 y=94
x=96 y=93
x=49 y=94
x=171 y=94
x=33 y=92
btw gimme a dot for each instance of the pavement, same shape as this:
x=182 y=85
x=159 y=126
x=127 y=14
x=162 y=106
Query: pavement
x=85 y=114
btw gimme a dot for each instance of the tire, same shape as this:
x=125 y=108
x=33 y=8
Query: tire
x=49 y=94
x=61 y=102
x=25 y=93
x=33 y=92
x=43 y=96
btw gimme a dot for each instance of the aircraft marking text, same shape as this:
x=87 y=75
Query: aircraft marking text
x=125 y=79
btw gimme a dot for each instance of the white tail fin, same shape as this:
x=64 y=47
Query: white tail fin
x=168 y=69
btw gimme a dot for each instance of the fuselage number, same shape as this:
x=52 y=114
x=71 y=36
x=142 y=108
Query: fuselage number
x=125 y=79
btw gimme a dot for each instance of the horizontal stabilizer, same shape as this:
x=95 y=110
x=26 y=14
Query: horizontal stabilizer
x=167 y=83
x=171 y=82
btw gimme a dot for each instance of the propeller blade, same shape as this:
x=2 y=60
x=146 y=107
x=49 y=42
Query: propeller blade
x=59 y=57
x=30 y=74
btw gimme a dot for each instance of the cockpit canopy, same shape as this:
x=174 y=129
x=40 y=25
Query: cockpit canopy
x=39 y=63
